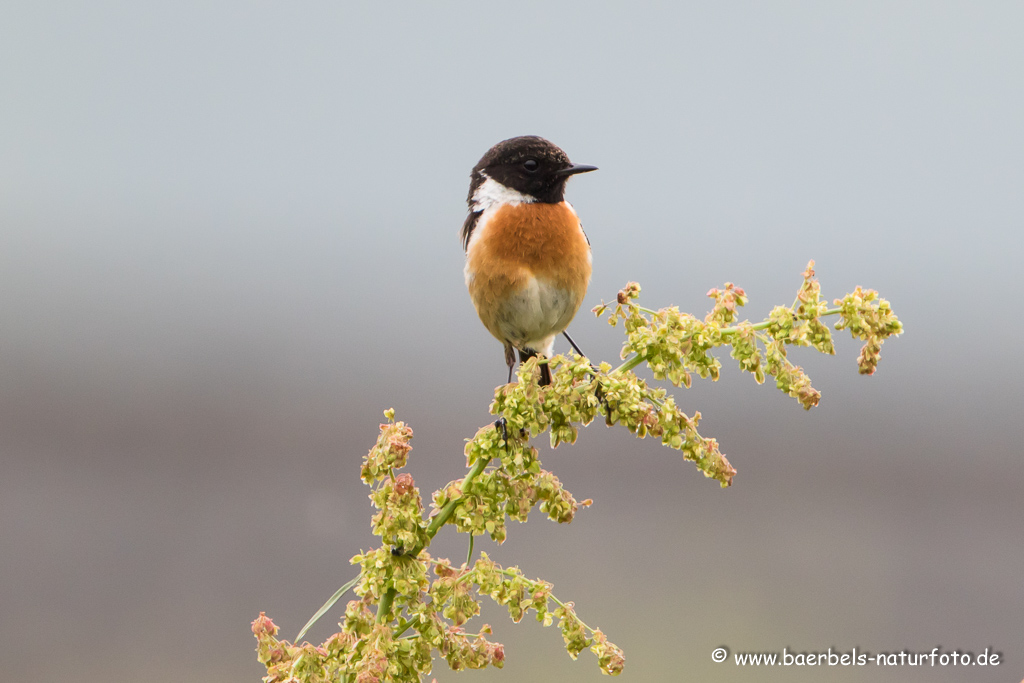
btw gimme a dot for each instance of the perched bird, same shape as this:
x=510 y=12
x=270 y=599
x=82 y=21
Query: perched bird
x=528 y=260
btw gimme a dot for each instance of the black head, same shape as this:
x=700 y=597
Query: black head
x=529 y=165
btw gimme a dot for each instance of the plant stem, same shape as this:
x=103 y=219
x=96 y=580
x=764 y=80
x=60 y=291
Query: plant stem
x=635 y=360
x=767 y=323
x=629 y=364
x=435 y=525
x=384 y=606
x=403 y=627
x=449 y=509
x=534 y=585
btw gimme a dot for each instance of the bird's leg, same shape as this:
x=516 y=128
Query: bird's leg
x=510 y=361
x=598 y=394
x=501 y=424
x=545 y=369
x=575 y=348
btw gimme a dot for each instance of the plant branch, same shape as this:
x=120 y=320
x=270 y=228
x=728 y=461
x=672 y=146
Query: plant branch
x=386 y=600
x=449 y=509
x=675 y=346
x=635 y=360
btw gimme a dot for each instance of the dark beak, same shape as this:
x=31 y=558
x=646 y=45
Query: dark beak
x=574 y=169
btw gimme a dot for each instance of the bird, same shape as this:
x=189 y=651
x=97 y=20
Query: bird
x=528 y=261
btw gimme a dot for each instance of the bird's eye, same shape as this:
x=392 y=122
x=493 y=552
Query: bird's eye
x=530 y=165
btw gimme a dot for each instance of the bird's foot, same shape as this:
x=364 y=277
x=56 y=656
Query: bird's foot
x=501 y=424
x=602 y=400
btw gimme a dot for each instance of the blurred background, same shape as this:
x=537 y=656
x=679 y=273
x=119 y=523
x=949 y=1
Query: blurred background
x=228 y=241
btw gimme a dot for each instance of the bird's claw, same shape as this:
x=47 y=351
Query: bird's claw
x=501 y=424
x=603 y=400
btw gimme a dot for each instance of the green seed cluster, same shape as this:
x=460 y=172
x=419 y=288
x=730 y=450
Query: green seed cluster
x=572 y=399
x=675 y=344
x=788 y=377
x=870 y=318
x=512 y=488
x=747 y=352
x=390 y=452
x=363 y=651
x=726 y=301
x=399 y=520
x=382 y=570
x=577 y=394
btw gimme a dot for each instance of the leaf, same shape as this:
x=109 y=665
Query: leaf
x=327 y=605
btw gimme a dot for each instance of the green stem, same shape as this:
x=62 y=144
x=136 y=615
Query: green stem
x=384 y=606
x=403 y=627
x=629 y=364
x=767 y=323
x=533 y=585
x=635 y=360
x=449 y=509
x=435 y=525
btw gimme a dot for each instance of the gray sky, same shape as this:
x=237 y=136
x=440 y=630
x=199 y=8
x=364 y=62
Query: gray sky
x=228 y=240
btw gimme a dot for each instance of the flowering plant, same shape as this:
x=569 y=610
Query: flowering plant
x=410 y=605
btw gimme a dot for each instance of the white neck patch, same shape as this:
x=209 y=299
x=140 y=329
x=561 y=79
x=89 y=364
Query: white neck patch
x=492 y=193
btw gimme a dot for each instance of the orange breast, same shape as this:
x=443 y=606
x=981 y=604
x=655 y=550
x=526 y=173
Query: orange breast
x=544 y=239
x=519 y=243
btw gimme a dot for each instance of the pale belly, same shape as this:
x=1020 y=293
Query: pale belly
x=531 y=317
